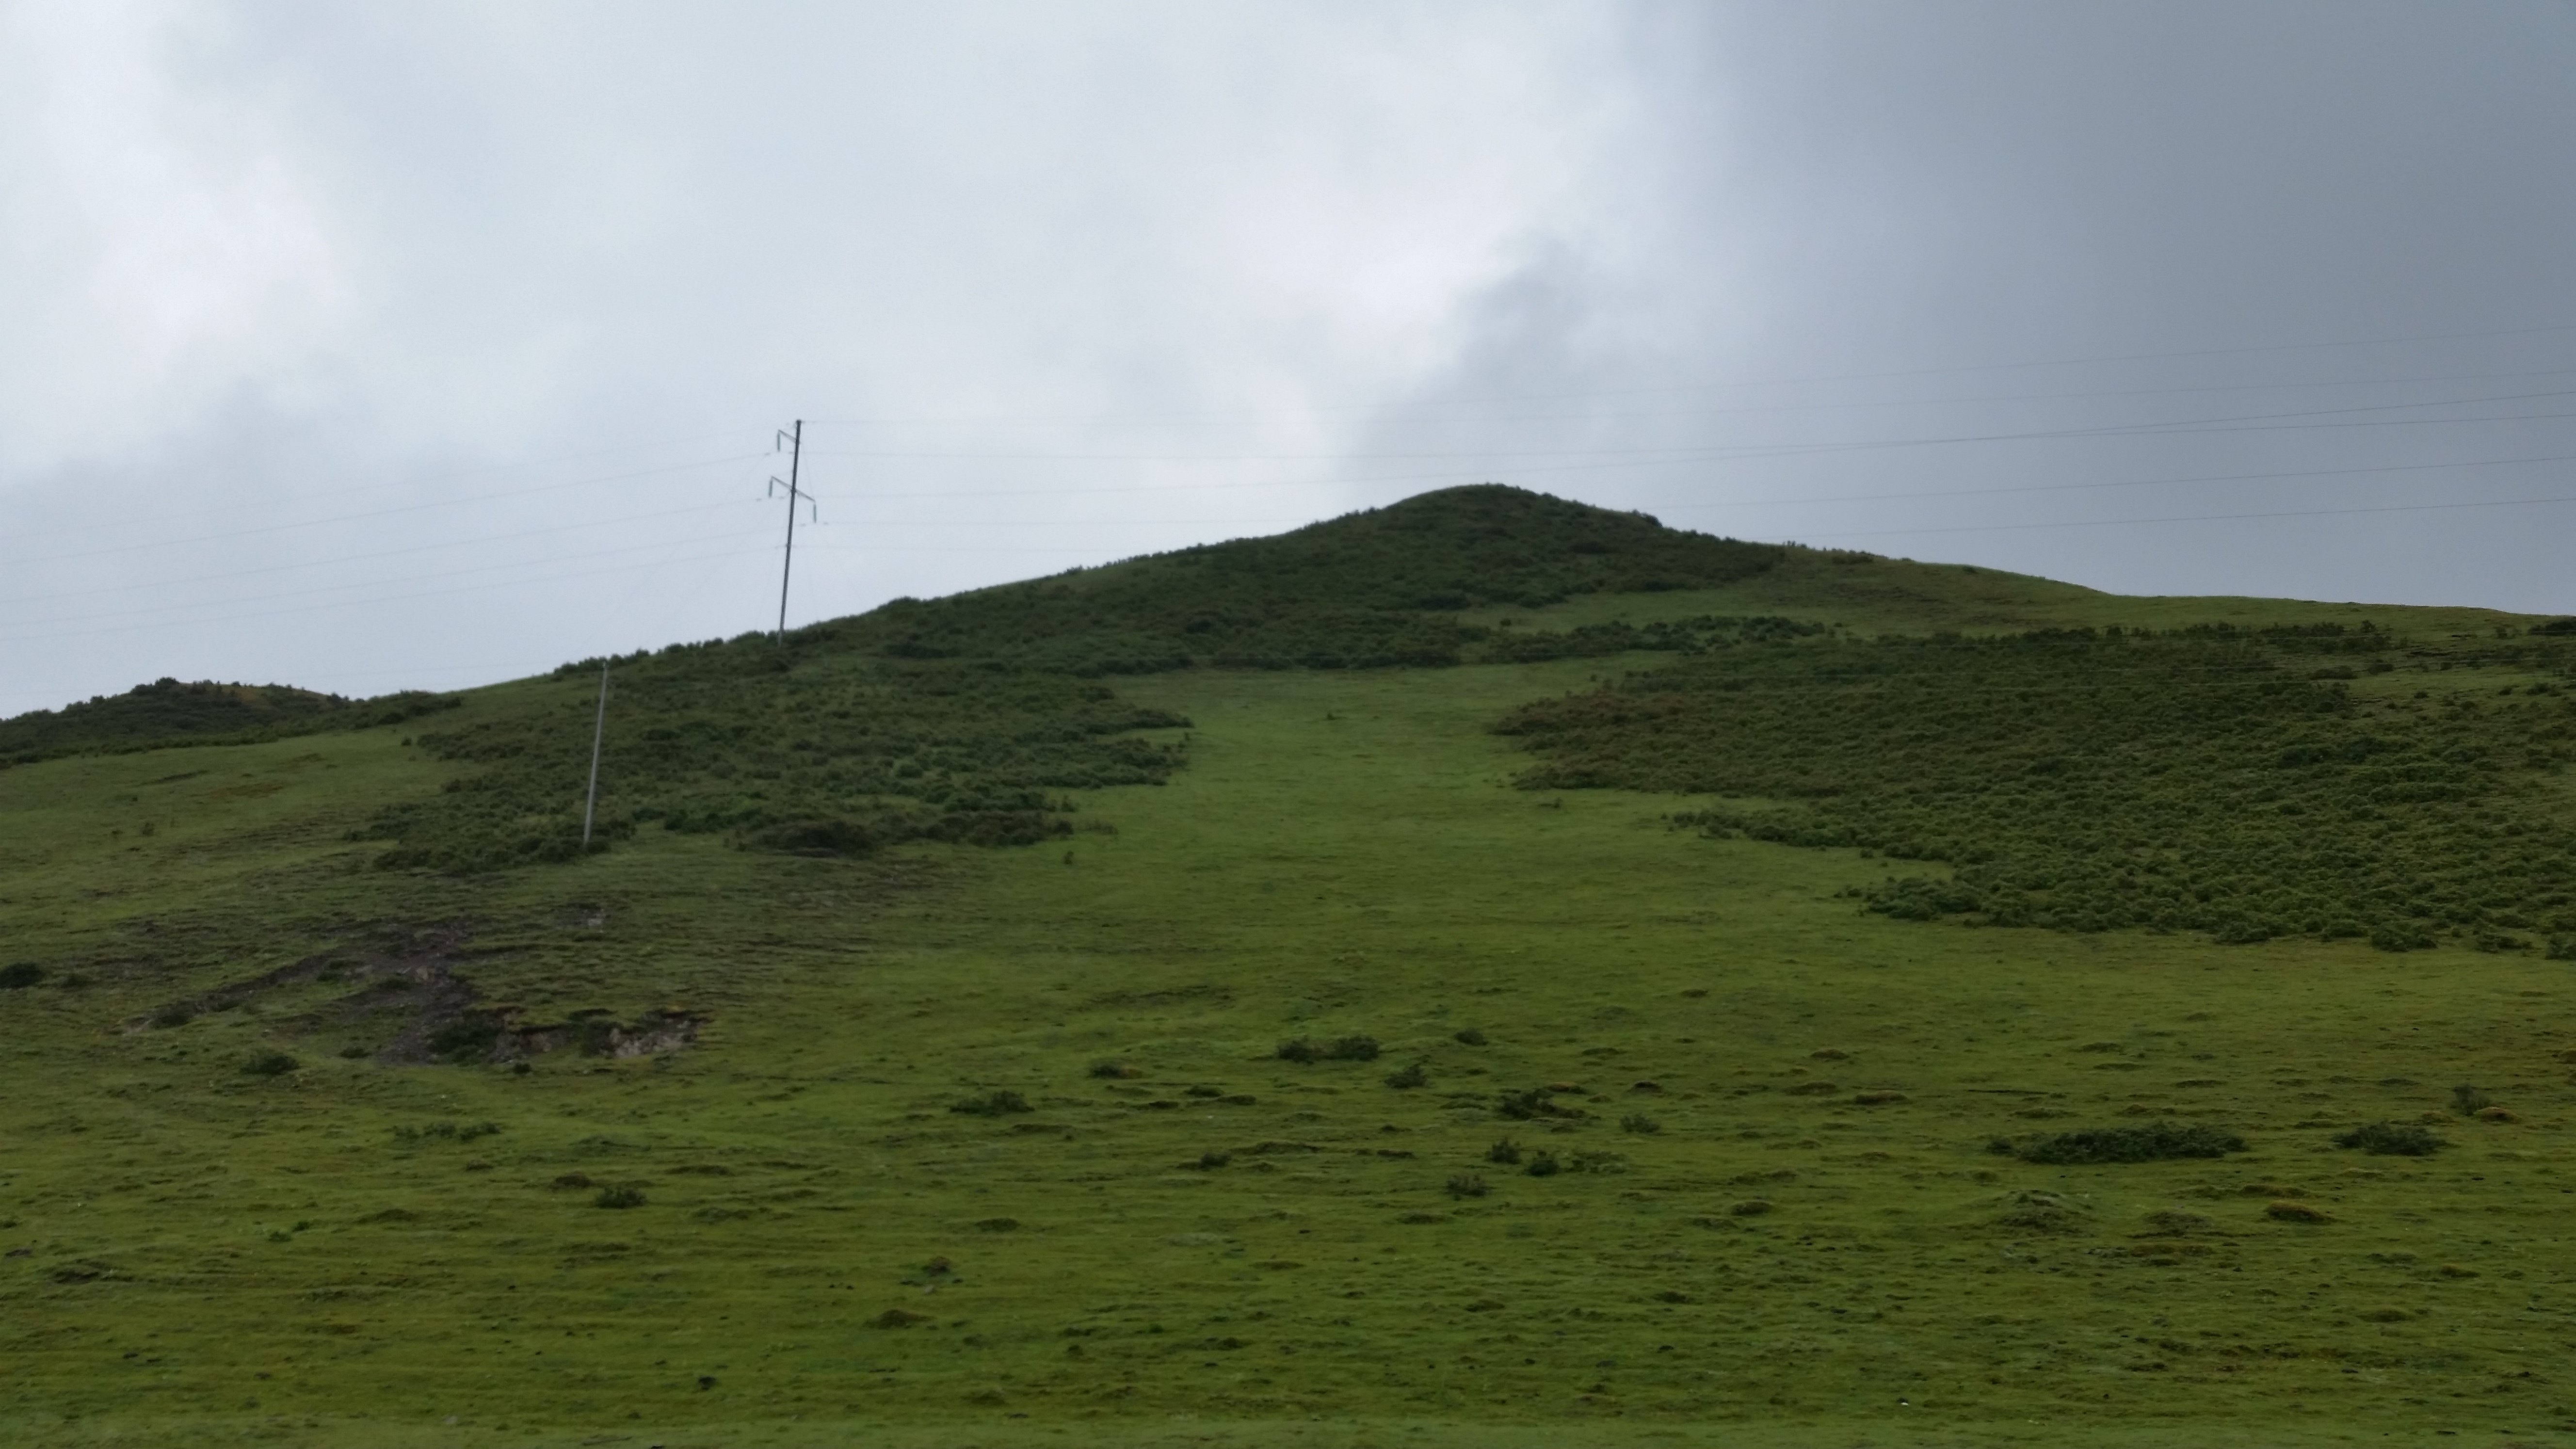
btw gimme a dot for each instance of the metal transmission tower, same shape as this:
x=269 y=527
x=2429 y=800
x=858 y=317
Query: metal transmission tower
x=795 y=458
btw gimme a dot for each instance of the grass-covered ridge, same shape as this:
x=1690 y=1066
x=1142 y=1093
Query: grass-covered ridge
x=1373 y=589
x=2245 y=784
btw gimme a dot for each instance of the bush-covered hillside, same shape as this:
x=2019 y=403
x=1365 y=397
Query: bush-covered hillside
x=790 y=748
x=2208 y=780
x=168 y=712
x=968 y=718
x=1370 y=589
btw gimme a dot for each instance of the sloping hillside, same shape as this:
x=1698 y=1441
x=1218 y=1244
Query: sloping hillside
x=1526 y=1046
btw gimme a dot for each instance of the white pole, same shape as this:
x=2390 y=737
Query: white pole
x=598 y=727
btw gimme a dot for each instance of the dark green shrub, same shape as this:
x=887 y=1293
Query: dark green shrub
x=170 y=1017
x=1639 y=1122
x=2154 y=1142
x=1204 y=1090
x=2468 y=1101
x=1114 y=1070
x=19 y=975
x=446 y=1131
x=619 y=1197
x=1469 y=1037
x=269 y=1064
x=2562 y=948
x=1543 y=1164
x=1211 y=1161
x=996 y=1103
x=1466 y=1184
x=1532 y=1103
x=2392 y=1139
x=1344 y=1049
x=1504 y=1151
x=1413 y=1076
x=465 y=1041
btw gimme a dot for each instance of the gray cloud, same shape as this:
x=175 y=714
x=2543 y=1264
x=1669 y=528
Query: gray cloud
x=426 y=345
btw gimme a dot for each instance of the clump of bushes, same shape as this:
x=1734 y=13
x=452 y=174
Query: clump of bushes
x=2150 y=1142
x=2392 y=1139
x=1467 y=1184
x=998 y=1103
x=1415 y=1075
x=619 y=1197
x=1505 y=1152
x=1211 y=1161
x=269 y=1064
x=1341 y=1049
x=465 y=1041
x=445 y=1131
x=1640 y=1123
x=1544 y=1164
x=1533 y=1103
x=1115 y=1071
x=1470 y=1037
x=2468 y=1101
x=19 y=975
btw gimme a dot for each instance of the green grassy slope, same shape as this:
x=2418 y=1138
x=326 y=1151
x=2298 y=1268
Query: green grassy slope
x=1214 y=1244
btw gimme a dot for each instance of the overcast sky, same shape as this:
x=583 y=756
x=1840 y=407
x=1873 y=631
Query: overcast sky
x=364 y=347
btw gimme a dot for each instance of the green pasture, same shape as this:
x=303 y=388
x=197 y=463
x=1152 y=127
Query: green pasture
x=1184 y=1238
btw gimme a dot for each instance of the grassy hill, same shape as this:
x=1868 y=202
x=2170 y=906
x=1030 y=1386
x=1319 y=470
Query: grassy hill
x=908 y=1063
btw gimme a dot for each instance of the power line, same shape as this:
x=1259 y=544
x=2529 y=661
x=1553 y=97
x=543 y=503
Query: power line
x=386 y=599
x=338 y=559
x=2552 y=329
x=387 y=512
x=416 y=480
x=2201 y=517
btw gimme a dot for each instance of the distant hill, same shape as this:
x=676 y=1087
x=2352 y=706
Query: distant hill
x=168 y=712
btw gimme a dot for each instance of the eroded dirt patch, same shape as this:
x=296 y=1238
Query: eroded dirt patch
x=410 y=979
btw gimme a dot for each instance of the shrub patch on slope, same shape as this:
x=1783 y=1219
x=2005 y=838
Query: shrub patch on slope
x=2209 y=780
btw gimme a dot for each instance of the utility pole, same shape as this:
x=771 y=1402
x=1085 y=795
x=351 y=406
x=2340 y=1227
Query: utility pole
x=795 y=459
x=598 y=728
